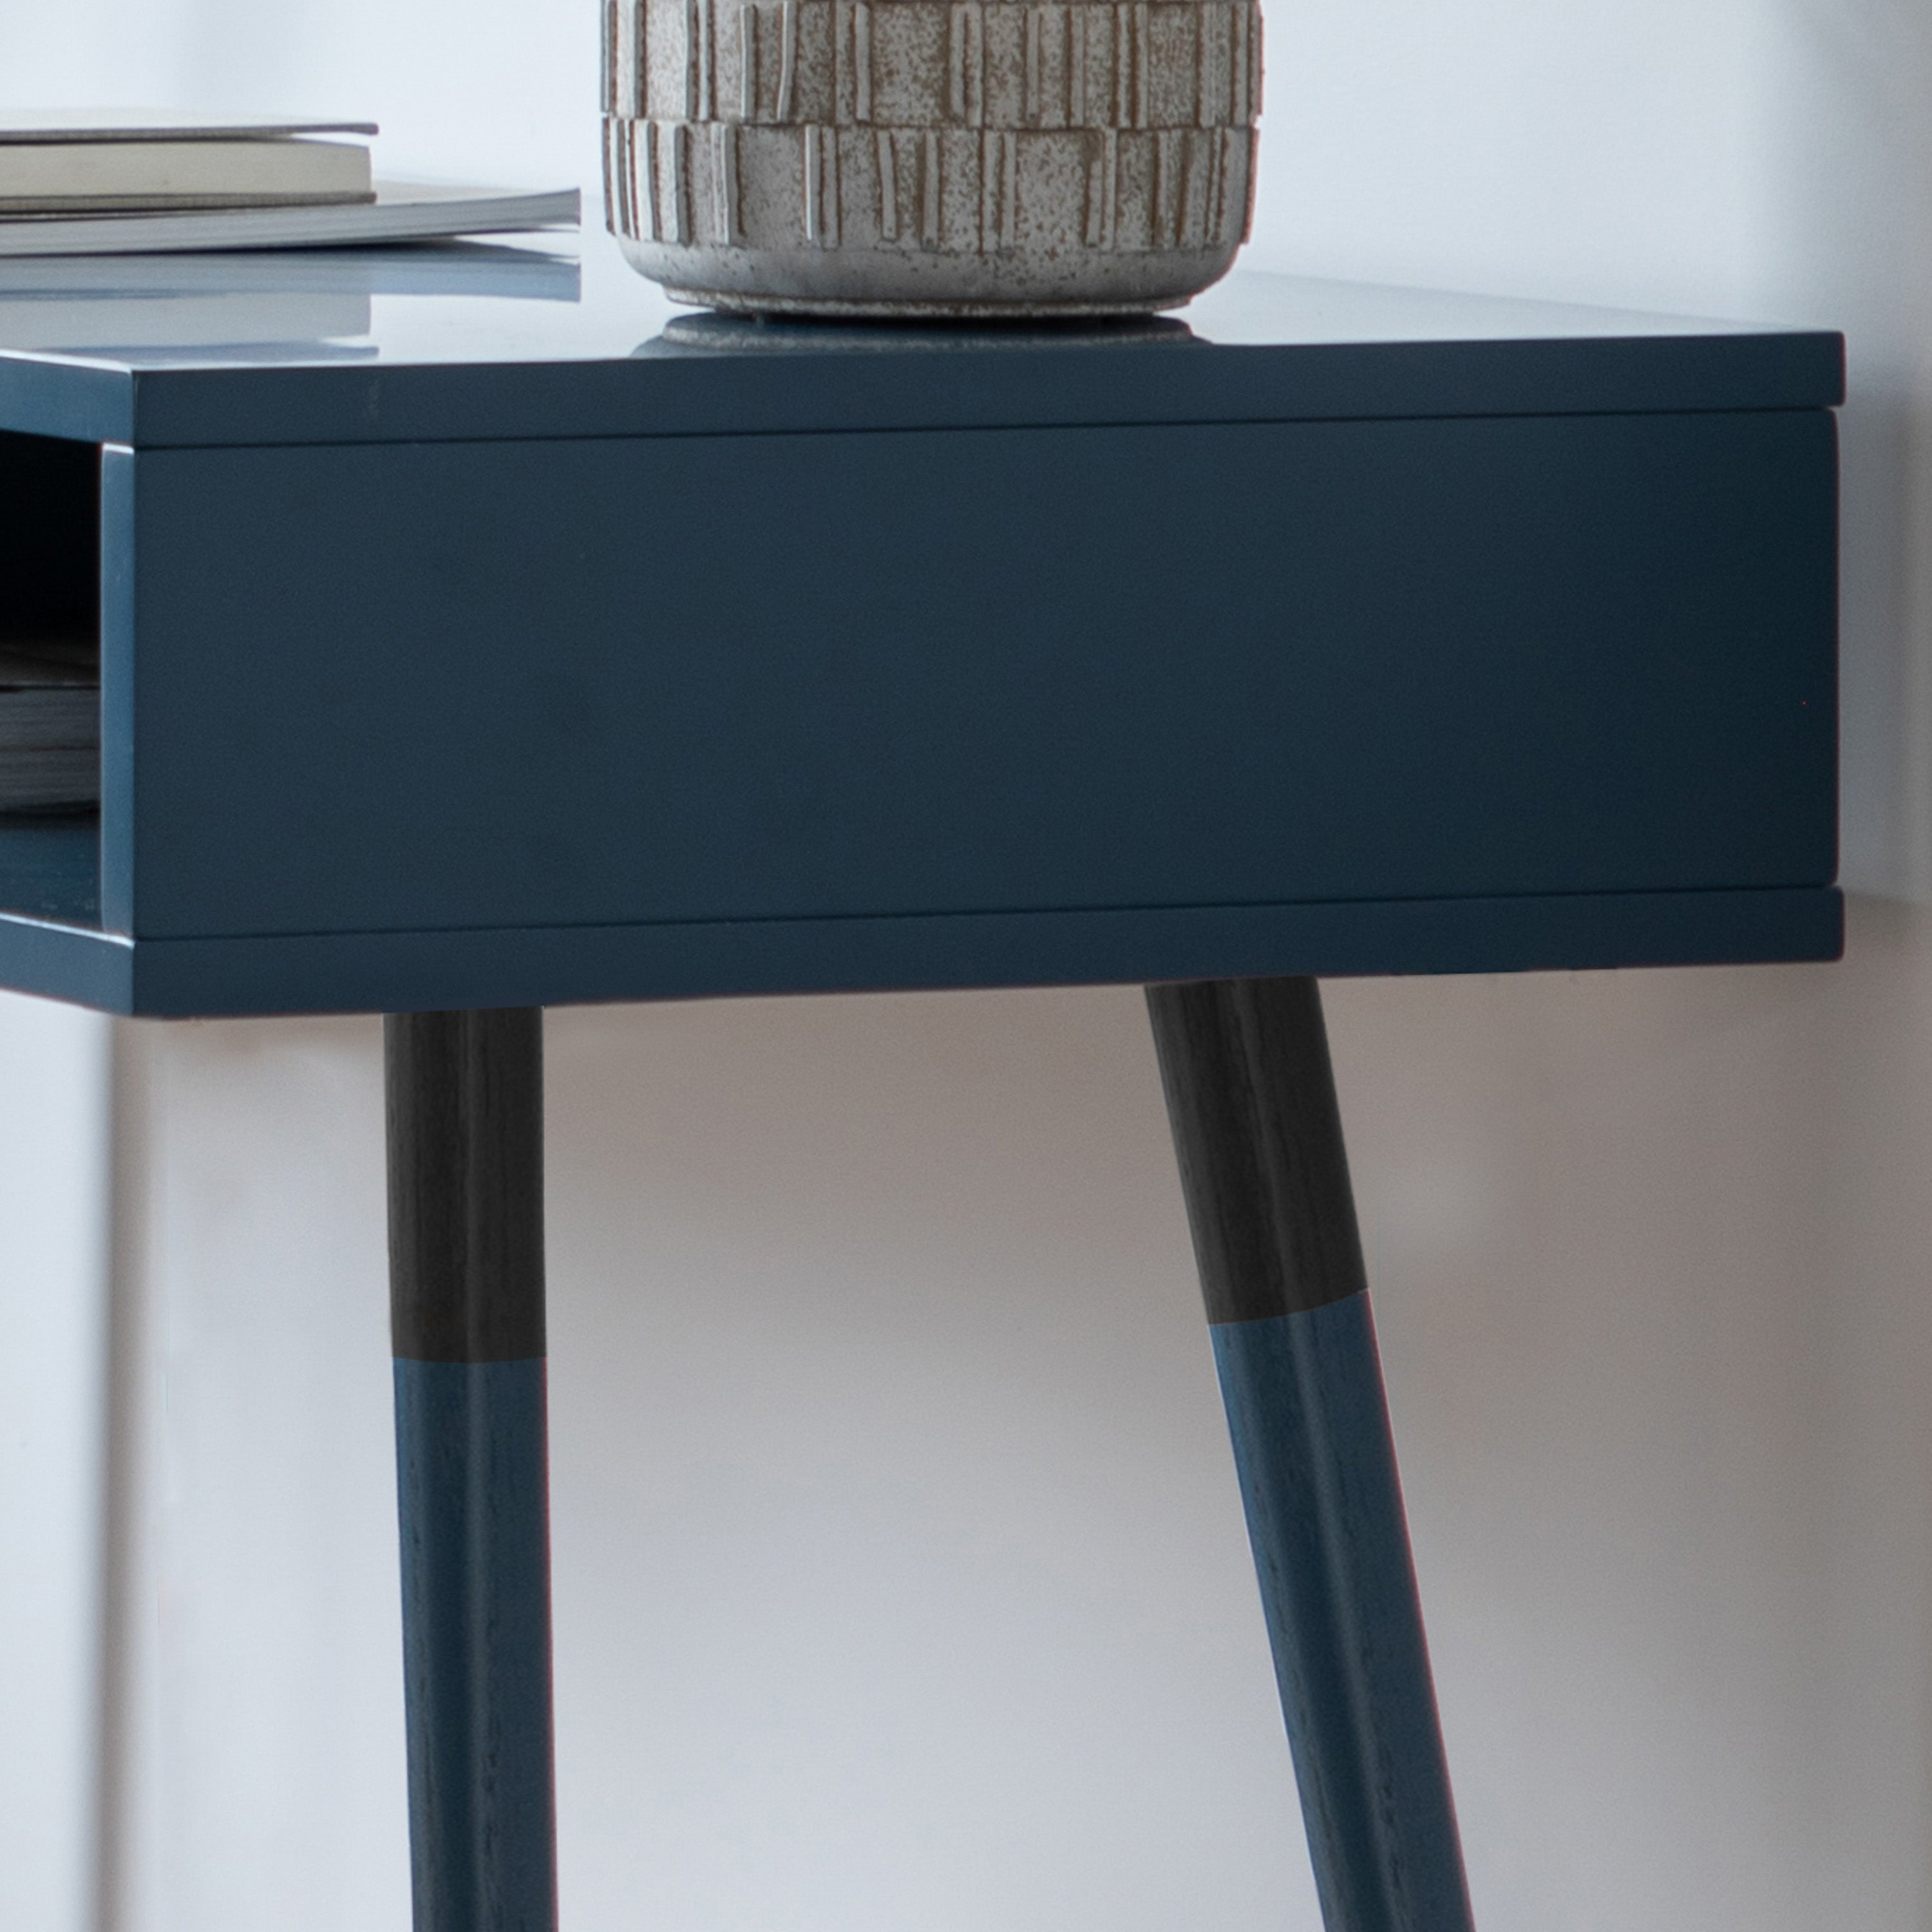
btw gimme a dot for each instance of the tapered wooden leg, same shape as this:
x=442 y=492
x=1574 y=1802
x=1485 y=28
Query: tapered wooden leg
x=1252 y=1100
x=467 y=1282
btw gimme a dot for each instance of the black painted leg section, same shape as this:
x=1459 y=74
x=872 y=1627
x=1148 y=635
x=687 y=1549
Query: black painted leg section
x=467 y=1282
x=1252 y=1100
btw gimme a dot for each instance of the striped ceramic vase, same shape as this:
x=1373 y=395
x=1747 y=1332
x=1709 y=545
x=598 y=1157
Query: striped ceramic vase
x=968 y=157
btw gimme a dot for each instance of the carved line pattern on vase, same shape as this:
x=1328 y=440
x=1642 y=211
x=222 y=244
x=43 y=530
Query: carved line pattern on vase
x=666 y=60
x=684 y=182
x=1151 y=104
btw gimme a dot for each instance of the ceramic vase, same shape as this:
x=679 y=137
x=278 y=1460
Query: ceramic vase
x=952 y=157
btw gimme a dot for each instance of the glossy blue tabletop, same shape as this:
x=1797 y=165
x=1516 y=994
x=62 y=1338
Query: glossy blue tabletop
x=479 y=628
x=467 y=340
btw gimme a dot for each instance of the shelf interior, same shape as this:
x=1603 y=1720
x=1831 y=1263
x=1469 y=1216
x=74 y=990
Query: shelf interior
x=50 y=868
x=50 y=608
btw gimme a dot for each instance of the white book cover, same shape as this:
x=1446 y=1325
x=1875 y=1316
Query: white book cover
x=106 y=177
x=401 y=211
x=157 y=124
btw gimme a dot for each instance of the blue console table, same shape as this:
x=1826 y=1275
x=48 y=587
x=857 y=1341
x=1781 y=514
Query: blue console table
x=506 y=641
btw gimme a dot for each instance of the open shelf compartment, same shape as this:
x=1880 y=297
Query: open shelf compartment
x=50 y=601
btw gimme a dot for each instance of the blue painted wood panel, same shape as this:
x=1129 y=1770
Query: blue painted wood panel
x=473 y=1512
x=390 y=689
x=1310 y=1429
x=371 y=972
x=908 y=380
x=567 y=660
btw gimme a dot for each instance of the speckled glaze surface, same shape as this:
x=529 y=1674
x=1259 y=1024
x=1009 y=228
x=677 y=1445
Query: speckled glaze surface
x=971 y=158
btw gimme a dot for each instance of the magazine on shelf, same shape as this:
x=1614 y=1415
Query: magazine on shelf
x=49 y=724
x=400 y=211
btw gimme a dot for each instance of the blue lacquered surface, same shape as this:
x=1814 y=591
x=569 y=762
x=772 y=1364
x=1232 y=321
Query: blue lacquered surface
x=472 y=1509
x=1317 y=1468
x=476 y=340
x=477 y=630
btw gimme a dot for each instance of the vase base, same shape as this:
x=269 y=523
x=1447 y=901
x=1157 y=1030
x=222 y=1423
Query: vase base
x=850 y=309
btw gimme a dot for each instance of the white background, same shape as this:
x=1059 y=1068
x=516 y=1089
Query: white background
x=900 y=1580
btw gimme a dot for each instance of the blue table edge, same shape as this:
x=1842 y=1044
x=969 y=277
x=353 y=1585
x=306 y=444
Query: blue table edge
x=367 y=972
x=1031 y=388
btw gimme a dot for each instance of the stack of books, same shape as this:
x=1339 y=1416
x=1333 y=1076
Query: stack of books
x=54 y=164
x=125 y=185
x=49 y=725
x=91 y=183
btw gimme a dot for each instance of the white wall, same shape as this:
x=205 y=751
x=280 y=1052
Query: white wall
x=899 y=1578
x=54 y=1166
